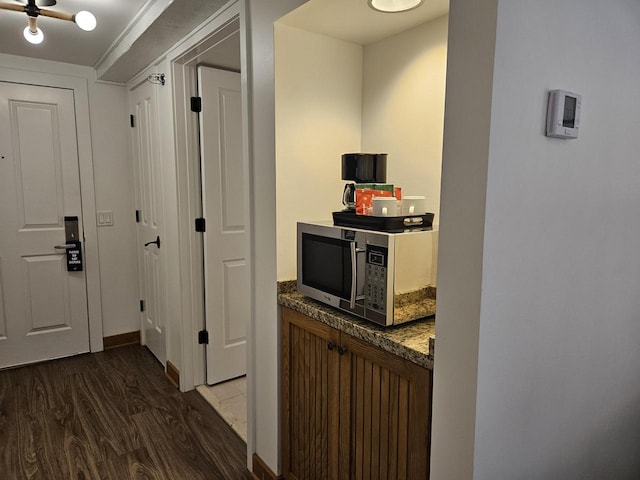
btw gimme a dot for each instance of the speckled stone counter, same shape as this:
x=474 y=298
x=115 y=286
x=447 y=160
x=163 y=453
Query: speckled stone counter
x=412 y=341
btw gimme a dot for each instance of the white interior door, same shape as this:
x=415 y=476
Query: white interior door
x=43 y=307
x=226 y=277
x=148 y=179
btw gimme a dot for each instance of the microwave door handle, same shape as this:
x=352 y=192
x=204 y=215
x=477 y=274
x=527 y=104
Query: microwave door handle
x=354 y=274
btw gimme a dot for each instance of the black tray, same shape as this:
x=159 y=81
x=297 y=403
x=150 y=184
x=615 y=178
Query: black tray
x=348 y=218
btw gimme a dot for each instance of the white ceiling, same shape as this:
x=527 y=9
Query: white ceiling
x=353 y=20
x=130 y=33
x=143 y=46
x=350 y=20
x=64 y=41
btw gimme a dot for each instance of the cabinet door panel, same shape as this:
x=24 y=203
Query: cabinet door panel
x=385 y=411
x=363 y=414
x=309 y=398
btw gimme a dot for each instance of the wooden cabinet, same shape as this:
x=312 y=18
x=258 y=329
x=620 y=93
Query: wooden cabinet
x=349 y=409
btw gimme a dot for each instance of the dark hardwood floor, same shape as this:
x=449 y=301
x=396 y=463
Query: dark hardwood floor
x=111 y=415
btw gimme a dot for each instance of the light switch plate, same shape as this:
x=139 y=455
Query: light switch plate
x=105 y=218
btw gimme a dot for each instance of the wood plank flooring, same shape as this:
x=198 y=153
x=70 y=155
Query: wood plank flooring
x=111 y=416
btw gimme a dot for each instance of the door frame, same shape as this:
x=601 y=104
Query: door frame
x=184 y=76
x=183 y=63
x=87 y=186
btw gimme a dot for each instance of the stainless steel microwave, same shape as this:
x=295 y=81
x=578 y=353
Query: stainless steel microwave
x=380 y=276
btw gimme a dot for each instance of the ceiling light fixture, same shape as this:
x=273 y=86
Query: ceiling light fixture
x=32 y=33
x=394 y=6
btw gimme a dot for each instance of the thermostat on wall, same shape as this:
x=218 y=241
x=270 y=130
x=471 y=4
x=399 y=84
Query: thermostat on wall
x=563 y=114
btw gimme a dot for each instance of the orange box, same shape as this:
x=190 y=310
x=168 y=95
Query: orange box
x=364 y=199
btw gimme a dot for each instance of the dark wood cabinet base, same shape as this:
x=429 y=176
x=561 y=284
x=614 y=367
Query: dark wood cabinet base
x=349 y=409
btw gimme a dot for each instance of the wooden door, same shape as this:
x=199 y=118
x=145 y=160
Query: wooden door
x=385 y=414
x=226 y=273
x=43 y=307
x=310 y=402
x=148 y=182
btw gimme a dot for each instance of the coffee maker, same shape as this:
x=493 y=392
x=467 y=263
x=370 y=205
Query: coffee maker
x=361 y=168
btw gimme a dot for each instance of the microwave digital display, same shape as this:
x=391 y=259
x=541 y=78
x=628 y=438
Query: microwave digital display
x=376 y=258
x=377 y=255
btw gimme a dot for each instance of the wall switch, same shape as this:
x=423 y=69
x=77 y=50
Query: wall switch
x=105 y=218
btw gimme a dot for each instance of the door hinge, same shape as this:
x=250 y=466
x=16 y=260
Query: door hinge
x=137 y=216
x=201 y=225
x=132 y=120
x=203 y=337
x=142 y=305
x=196 y=104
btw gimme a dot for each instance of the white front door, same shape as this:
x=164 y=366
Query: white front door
x=226 y=278
x=43 y=307
x=148 y=180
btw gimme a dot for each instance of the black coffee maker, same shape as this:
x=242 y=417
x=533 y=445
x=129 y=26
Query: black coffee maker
x=361 y=168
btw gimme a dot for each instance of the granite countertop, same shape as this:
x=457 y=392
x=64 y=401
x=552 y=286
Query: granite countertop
x=412 y=341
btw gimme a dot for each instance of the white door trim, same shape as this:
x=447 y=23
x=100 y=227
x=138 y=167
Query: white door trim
x=189 y=208
x=183 y=60
x=85 y=156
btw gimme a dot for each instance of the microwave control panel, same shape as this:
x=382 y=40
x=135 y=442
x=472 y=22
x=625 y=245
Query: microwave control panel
x=375 y=288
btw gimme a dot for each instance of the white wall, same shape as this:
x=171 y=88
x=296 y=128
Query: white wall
x=113 y=190
x=318 y=118
x=558 y=385
x=386 y=97
x=403 y=107
x=461 y=231
x=258 y=18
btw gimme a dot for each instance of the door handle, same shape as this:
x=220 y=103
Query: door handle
x=66 y=247
x=155 y=242
x=354 y=273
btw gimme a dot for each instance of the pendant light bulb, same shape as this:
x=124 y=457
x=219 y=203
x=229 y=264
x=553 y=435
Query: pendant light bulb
x=394 y=6
x=32 y=32
x=85 y=20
